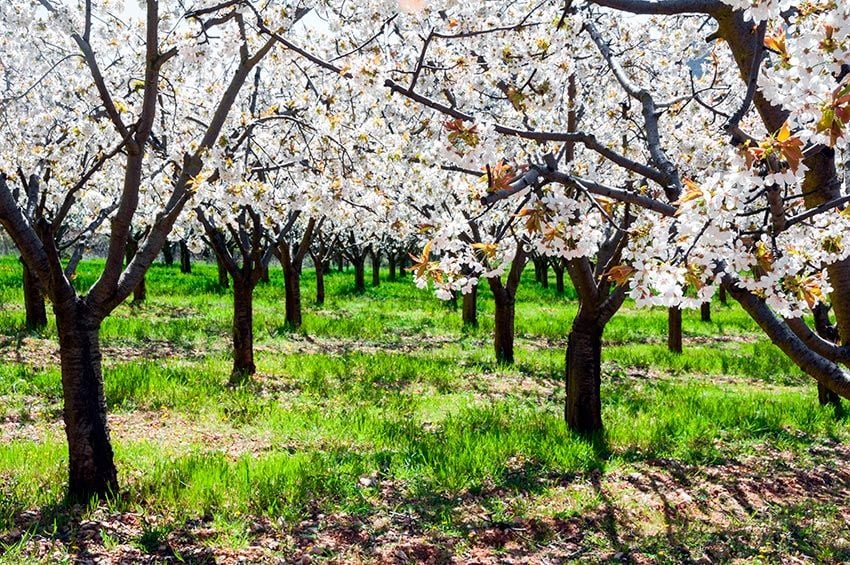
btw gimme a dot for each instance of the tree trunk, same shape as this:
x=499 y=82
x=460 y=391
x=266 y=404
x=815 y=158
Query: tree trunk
x=91 y=470
x=826 y=330
x=140 y=293
x=320 y=282
x=503 y=330
x=292 y=288
x=541 y=271
x=376 y=269
x=168 y=253
x=705 y=311
x=674 y=329
x=223 y=281
x=36 y=312
x=340 y=263
x=401 y=263
x=559 y=279
x=722 y=294
x=243 y=330
x=583 y=410
x=185 y=258
x=827 y=397
x=264 y=276
x=392 y=263
x=359 y=274
x=470 y=308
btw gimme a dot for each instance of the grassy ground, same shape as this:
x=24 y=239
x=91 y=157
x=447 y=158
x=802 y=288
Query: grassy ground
x=384 y=432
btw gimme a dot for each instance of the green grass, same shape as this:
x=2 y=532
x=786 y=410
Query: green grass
x=385 y=393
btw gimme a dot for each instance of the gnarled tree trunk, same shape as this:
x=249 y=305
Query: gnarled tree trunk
x=243 y=330
x=91 y=469
x=583 y=410
x=35 y=310
x=503 y=329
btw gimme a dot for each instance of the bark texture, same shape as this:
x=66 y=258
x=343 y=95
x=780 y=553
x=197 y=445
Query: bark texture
x=223 y=281
x=35 y=309
x=359 y=274
x=243 y=331
x=674 y=329
x=503 y=329
x=91 y=470
x=470 y=308
x=583 y=410
x=292 y=292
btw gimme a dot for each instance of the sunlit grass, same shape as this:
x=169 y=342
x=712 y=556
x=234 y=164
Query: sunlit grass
x=386 y=390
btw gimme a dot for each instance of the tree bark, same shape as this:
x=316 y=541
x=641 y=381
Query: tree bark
x=470 y=308
x=243 y=330
x=36 y=312
x=91 y=469
x=359 y=275
x=185 y=258
x=541 y=267
x=223 y=281
x=503 y=327
x=674 y=329
x=140 y=291
x=392 y=264
x=168 y=254
x=340 y=263
x=292 y=294
x=559 y=279
x=583 y=410
x=721 y=293
x=376 y=269
x=826 y=330
x=705 y=311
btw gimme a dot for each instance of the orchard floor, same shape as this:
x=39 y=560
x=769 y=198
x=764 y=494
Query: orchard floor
x=384 y=432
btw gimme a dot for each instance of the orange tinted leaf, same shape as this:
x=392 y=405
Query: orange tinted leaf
x=620 y=274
